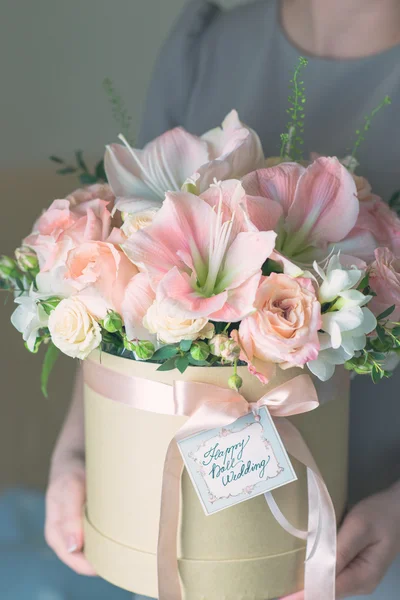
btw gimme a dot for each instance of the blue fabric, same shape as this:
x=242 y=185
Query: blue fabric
x=29 y=570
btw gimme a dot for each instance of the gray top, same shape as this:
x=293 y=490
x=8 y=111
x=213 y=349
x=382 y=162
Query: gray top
x=216 y=60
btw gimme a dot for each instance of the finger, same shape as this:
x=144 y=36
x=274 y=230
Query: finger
x=353 y=537
x=364 y=573
x=73 y=559
x=64 y=503
x=64 y=528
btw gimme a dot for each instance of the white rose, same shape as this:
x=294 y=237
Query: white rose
x=172 y=330
x=73 y=329
x=135 y=221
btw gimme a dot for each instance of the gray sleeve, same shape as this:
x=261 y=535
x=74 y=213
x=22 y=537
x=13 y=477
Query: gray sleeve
x=175 y=71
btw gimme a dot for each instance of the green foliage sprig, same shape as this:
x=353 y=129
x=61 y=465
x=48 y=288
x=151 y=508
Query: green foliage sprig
x=371 y=360
x=119 y=111
x=80 y=168
x=292 y=140
x=361 y=133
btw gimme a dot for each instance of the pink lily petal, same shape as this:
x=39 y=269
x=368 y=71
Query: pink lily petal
x=240 y=301
x=325 y=192
x=177 y=236
x=263 y=213
x=360 y=243
x=139 y=296
x=245 y=257
x=176 y=290
x=233 y=196
x=276 y=183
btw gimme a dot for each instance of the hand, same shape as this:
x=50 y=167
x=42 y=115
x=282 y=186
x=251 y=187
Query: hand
x=368 y=542
x=65 y=499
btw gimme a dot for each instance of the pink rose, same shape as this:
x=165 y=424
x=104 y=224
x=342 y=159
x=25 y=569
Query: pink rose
x=385 y=282
x=100 y=272
x=284 y=327
x=63 y=226
x=98 y=191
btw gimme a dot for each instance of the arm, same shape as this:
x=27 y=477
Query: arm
x=65 y=495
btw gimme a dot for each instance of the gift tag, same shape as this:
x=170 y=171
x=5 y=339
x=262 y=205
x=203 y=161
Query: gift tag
x=232 y=464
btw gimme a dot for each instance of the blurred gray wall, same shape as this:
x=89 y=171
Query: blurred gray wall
x=54 y=56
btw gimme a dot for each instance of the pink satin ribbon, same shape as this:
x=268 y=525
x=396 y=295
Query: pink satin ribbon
x=207 y=407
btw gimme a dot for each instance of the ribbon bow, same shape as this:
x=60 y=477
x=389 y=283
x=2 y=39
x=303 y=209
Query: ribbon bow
x=208 y=407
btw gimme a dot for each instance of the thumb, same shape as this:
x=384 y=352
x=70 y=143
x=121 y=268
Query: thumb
x=72 y=514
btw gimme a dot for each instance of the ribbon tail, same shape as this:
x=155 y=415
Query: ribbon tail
x=320 y=566
x=169 y=587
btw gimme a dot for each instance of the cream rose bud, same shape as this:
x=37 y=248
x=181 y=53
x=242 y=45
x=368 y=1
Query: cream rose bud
x=172 y=329
x=136 y=221
x=73 y=329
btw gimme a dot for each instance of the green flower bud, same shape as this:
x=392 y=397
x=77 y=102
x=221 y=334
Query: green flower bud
x=27 y=260
x=144 y=350
x=112 y=322
x=235 y=382
x=200 y=351
x=128 y=345
x=8 y=268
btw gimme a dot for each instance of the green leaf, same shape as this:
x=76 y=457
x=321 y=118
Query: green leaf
x=396 y=331
x=381 y=333
x=165 y=352
x=394 y=200
x=378 y=355
x=100 y=172
x=185 y=345
x=66 y=171
x=49 y=361
x=87 y=179
x=56 y=159
x=168 y=365
x=386 y=313
x=80 y=161
x=364 y=282
x=182 y=363
x=376 y=374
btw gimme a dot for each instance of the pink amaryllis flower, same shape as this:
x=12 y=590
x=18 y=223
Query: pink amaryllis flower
x=140 y=178
x=199 y=257
x=309 y=207
x=377 y=226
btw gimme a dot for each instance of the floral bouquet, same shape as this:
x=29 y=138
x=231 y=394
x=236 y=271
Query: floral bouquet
x=200 y=252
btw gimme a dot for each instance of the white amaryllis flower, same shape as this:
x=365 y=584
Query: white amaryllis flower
x=29 y=318
x=73 y=329
x=140 y=178
x=347 y=322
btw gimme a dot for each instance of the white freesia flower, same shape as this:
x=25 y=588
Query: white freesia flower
x=173 y=329
x=29 y=318
x=73 y=329
x=347 y=322
x=336 y=279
